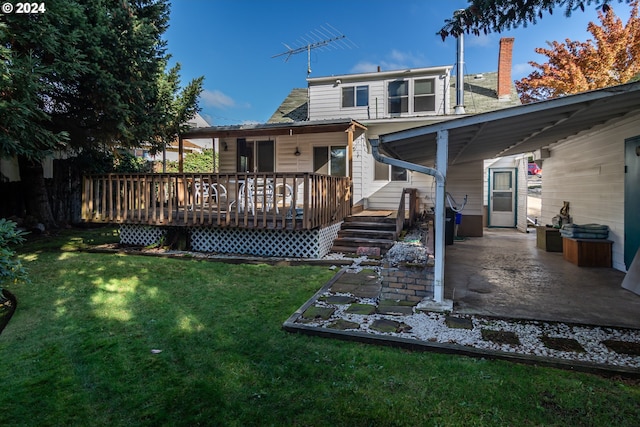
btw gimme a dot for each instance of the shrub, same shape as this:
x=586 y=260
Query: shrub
x=11 y=269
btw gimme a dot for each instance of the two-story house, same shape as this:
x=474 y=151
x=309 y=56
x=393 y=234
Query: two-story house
x=390 y=101
x=284 y=187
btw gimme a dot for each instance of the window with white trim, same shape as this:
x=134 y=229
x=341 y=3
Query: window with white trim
x=355 y=96
x=411 y=96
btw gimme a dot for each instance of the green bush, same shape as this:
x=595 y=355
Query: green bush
x=11 y=269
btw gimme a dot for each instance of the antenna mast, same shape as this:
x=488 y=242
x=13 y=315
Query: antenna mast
x=319 y=38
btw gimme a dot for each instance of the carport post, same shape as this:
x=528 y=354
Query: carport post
x=442 y=150
x=440 y=175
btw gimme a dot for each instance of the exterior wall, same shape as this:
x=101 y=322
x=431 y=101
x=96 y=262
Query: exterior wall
x=522 y=195
x=325 y=94
x=466 y=179
x=588 y=172
x=285 y=146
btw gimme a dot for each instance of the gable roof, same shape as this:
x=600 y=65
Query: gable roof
x=515 y=130
x=293 y=109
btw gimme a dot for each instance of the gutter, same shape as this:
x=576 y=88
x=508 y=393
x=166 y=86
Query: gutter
x=439 y=174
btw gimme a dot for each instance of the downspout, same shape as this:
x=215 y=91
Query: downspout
x=439 y=174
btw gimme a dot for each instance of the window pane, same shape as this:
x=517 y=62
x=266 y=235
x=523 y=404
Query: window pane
x=321 y=160
x=424 y=103
x=266 y=156
x=339 y=161
x=398 y=88
x=398 y=174
x=347 y=97
x=362 y=95
x=502 y=201
x=424 y=87
x=398 y=105
x=502 y=181
x=381 y=172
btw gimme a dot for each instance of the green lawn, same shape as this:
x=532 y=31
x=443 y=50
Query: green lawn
x=80 y=351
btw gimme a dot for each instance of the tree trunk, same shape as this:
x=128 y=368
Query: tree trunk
x=34 y=192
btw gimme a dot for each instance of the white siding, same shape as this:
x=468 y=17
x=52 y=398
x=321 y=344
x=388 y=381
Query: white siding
x=325 y=97
x=588 y=172
x=522 y=195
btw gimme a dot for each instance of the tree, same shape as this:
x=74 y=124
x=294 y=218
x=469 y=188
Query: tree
x=486 y=16
x=614 y=58
x=84 y=76
x=196 y=162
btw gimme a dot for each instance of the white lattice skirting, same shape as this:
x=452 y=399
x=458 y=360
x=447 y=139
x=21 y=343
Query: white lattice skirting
x=243 y=241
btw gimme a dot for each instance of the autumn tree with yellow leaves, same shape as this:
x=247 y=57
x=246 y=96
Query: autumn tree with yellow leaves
x=611 y=58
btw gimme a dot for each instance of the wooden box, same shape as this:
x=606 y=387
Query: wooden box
x=549 y=239
x=587 y=252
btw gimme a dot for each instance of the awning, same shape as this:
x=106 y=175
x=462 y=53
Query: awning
x=273 y=129
x=515 y=130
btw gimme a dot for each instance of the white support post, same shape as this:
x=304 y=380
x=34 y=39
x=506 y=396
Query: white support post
x=441 y=166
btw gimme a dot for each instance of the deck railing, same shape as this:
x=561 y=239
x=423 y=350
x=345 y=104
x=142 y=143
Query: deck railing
x=248 y=200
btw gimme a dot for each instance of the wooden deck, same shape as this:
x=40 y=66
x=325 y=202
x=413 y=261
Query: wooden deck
x=296 y=201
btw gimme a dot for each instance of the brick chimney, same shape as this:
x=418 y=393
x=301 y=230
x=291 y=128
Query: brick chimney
x=504 y=67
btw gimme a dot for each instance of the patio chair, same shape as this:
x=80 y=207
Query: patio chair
x=254 y=193
x=209 y=193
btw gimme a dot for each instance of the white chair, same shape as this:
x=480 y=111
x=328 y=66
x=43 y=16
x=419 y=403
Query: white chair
x=284 y=196
x=254 y=193
x=209 y=193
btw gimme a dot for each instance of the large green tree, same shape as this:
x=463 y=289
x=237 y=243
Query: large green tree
x=86 y=75
x=486 y=16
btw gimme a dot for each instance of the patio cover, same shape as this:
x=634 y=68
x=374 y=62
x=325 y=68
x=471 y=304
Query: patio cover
x=516 y=130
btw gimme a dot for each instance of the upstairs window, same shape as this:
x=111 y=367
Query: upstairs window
x=355 y=96
x=398 y=97
x=411 y=96
x=424 y=95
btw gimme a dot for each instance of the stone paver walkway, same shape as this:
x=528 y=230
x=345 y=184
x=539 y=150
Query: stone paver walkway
x=349 y=307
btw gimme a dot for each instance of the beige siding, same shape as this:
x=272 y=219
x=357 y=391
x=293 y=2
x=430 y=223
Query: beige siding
x=464 y=180
x=588 y=172
x=286 y=160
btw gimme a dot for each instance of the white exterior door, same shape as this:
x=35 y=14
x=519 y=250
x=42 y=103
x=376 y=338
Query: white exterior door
x=502 y=197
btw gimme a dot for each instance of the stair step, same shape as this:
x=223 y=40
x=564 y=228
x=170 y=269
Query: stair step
x=360 y=241
x=353 y=249
x=374 y=219
x=369 y=225
x=370 y=234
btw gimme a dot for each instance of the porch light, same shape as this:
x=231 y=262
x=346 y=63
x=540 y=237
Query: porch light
x=225 y=146
x=297 y=153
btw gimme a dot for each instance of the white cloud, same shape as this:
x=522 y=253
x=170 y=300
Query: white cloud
x=521 y=70
x=483 y=40
x=215 y=98
x=364 y=67
x=394 y=60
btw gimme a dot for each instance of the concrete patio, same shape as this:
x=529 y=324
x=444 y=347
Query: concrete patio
x=504 y=274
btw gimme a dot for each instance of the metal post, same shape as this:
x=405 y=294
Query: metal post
x=441 y=166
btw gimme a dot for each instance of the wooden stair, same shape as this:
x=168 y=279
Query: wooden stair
x=366 y=231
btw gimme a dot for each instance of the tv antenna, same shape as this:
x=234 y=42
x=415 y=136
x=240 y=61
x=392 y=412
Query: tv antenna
x=326 y=37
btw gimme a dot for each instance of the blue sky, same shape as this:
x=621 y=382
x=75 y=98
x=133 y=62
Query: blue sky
x=231 y=44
